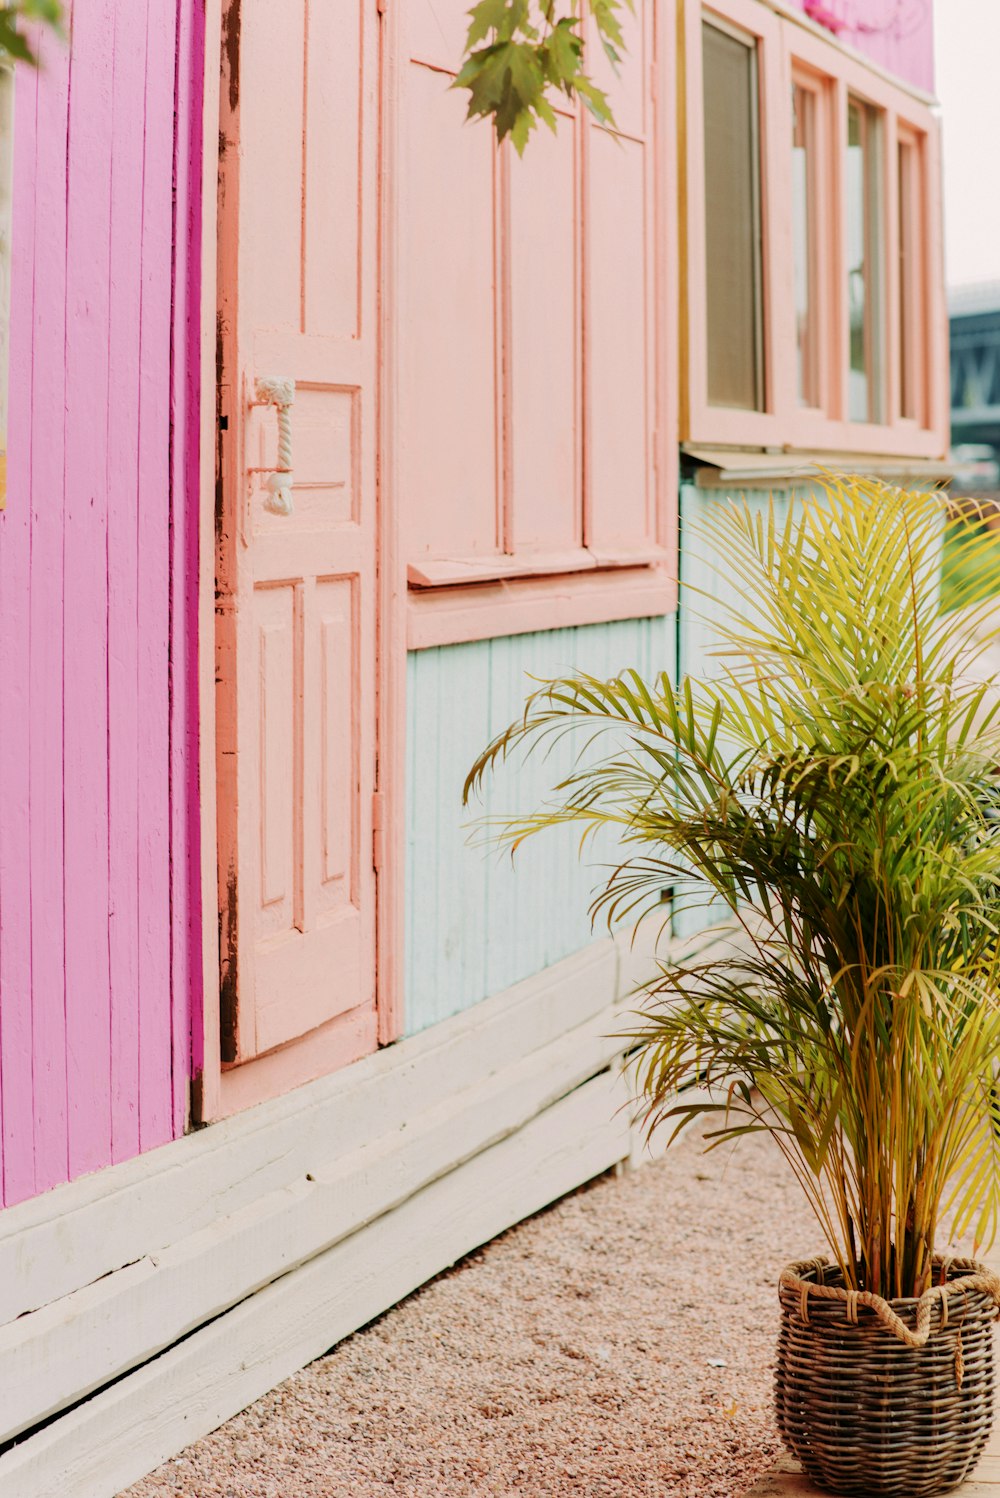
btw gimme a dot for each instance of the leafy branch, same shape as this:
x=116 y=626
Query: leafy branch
x=520 y=56
x=14 y=18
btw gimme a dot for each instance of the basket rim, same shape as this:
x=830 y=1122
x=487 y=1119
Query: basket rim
x=977 y=1277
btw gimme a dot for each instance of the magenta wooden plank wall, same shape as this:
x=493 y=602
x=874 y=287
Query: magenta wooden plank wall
x=97 y=803
x=897 y=34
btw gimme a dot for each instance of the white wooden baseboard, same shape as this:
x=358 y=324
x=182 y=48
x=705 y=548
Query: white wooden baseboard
x=142 y=1306
x=119 y=1435
x=53 y=1356
x=71 y=1236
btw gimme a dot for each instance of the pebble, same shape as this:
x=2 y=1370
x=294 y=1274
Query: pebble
x=567 y=1359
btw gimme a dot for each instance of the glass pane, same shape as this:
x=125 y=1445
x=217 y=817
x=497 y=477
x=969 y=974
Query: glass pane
x=865 y=352
x=803 y=189
x=908 y=274
x=732 y=221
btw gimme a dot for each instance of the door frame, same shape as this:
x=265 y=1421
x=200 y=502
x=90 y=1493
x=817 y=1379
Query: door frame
x=218 y=1091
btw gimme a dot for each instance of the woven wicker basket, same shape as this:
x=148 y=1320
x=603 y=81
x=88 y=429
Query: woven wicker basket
x=886 y=1398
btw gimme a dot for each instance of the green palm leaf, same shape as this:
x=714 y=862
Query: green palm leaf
x=833 y=784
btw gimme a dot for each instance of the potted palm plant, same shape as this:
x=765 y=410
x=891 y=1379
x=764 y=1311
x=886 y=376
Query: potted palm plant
x=834 y=784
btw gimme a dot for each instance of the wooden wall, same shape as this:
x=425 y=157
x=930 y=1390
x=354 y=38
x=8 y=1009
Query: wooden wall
x=898 y=36
x=93 y=917
x=474 y=924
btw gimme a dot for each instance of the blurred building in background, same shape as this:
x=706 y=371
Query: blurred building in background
x=974 y=323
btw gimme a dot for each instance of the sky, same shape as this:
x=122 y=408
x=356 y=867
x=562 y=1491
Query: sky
x=967 y=64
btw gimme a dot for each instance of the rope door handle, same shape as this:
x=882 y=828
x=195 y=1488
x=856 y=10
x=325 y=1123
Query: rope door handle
x=278 y=392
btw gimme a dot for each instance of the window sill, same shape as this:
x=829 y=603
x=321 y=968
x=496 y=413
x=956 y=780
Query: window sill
x=520 y=602
x=730 y=468
x=807 y=431
x=443 y=572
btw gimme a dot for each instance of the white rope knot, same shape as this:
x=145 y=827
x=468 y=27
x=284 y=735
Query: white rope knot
x=279 y=392
x=279 y=494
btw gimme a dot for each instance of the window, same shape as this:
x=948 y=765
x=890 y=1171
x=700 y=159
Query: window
x=863 y=198
x=911 y=286
x=805 y=110
x=732 y=219
x=6 y=184
x=813 y=249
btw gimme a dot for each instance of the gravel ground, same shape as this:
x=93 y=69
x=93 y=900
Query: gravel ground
x=617 y=1345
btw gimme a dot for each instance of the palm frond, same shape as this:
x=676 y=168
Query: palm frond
x=834 y=786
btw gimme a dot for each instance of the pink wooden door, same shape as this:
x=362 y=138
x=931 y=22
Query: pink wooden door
x=296 y=625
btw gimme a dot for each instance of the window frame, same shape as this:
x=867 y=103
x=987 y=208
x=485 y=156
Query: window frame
x=812 y=383
x=913 y=290
x=758 y=256
x=876 y=210
x=824 y=177
x=454 y=598
x=730 y=424
x=794 y=52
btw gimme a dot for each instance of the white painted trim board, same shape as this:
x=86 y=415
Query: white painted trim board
x=52 y=1357
x=71 y=1236
x=113 y=1439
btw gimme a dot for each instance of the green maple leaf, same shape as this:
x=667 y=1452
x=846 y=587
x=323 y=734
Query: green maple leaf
x=489 y=15
x=13 y=41
x=483 y=76
x=608 y=27
x=545 y=112
x=522 y=127
x=503 y=18
x=595 y=100
x=528 y=52
x=523 y=82
x=562 y=53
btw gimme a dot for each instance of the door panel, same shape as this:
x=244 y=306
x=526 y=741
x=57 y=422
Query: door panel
x=297 y=593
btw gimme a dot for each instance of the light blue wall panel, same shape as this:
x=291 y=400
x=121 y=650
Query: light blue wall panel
x=474 y=924
x=706 y=587
x=706 y=591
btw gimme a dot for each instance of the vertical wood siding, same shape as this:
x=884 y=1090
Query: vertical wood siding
x=91 y=1065
x=474 y=924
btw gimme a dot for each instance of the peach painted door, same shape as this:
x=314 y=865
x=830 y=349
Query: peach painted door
x=296 y=605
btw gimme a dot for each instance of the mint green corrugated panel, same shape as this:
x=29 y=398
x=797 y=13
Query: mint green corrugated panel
x=707 y=591
x=706 y=588
x=474 y=923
